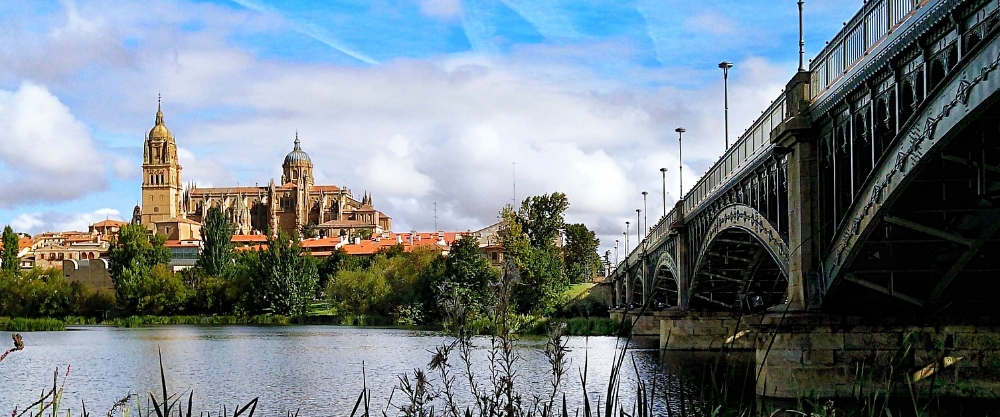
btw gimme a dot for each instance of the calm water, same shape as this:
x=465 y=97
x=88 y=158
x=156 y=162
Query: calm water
x=318 y=369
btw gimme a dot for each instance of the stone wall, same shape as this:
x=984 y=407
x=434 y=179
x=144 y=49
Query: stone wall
x=92 y=273
x=689 y=330
x=830 y=356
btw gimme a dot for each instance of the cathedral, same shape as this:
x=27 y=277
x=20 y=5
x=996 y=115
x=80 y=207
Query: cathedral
x=294 y=205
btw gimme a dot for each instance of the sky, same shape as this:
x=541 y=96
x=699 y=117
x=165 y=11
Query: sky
x=462 y=105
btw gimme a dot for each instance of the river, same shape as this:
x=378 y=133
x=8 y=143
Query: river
x=318 y=370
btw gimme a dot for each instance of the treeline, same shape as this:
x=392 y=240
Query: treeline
x=279 y=278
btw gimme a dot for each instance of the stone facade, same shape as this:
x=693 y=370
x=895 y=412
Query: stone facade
x=292 y=205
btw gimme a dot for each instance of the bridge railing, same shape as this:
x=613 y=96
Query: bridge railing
x=754 y=141
x=747 y=148
x=873 y=23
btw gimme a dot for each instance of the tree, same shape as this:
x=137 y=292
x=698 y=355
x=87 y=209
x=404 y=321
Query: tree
x=133 y=255
x=580 y=253
x=9 y=264
x=216 y=259
x=541 y=218
x=363 y=234
x=469 y=272
x=286 y=280
x=360 y=291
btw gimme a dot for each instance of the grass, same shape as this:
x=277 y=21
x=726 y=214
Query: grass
x=139 y=321
x=592 y=326
x=19 y=324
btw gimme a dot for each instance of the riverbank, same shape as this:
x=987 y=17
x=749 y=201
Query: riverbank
x=526 y=325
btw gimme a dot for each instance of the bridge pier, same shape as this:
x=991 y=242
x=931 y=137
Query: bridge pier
x=835 y=356
x=688 y=330
x=801 y=354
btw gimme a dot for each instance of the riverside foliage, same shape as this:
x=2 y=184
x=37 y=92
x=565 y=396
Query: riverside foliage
x=280 y=279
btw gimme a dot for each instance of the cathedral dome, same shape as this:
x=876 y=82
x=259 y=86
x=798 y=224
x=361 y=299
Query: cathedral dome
x=297 y=156
x=159 y=131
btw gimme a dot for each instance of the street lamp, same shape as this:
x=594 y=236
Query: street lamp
x=616 y=252
x=626 y=241
x=638 y=230
x=664 y=172
x=645 y=217
x=725 y=66
x=680 y=158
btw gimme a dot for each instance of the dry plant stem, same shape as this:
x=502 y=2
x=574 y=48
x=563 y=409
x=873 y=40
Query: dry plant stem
x=18 y=345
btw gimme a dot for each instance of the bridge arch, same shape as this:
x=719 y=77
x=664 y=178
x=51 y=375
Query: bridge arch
x=742 y=263
x=926 y=217
x=665 y=284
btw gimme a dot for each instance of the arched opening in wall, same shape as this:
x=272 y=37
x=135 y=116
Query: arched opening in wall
x=664 y=291
x=635 y=291
x=737 y=273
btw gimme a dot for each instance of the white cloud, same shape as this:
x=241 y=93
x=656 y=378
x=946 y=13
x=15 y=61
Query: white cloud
x=446 y=9
x=47 y=154
x=34 y=223
x=414 y=132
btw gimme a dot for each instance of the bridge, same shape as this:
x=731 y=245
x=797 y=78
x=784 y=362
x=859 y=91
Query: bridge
x=869 y=188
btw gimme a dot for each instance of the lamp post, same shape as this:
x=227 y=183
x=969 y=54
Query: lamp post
x=664 y=172
x=638 y=230
x=680 y=158
x=725 y=66
x=626 y=241
x=616 y=252
x=645 y=217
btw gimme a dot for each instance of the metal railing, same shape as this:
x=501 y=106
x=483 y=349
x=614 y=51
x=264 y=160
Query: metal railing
x=873 y=23
x=750 y=145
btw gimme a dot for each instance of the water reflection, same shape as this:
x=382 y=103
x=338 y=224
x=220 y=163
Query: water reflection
x=318 y=369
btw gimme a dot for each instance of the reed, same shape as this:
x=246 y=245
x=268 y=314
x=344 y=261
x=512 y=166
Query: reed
x=20 y=324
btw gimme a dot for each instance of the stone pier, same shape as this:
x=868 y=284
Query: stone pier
x=833 y=356
x=816 y=355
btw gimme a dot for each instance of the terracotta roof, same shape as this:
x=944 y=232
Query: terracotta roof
x=248 y=238
x=377 y=243
x=22 y=242
x=324 y=188
x=109 y=223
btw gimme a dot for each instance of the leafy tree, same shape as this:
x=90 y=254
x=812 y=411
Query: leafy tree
x=580 y=253
x=541 y=218
x=364 y=234
x=133 y=255
x=360 y=291
x=9 y=264
x=339 y=260
x=216 y=259
x=529 y=242
x=469 y=272
x=286 y=280
x=308 y=230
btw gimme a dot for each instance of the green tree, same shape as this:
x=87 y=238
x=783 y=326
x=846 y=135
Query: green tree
x=216 y=259
x=133 y=254
x=364 y=234
x=580 y=253
x=9 y=264
x=286 y=279
x=360 y=291
x=529 y=242
x=541 y=218
x=469 y=272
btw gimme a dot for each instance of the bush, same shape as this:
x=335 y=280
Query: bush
x=592 y=326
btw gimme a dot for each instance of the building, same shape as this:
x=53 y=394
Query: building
x=51 y=249
x=293 y=205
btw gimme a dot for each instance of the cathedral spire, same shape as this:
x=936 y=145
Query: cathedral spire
x=298 y=147
x=159 y=110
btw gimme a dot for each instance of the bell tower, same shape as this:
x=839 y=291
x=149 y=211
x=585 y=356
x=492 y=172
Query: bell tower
x=161 y=175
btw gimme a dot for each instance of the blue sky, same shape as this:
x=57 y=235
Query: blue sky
x=417 y=101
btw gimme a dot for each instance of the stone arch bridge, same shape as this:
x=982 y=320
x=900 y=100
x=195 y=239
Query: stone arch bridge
x=858 y=216
x=870 y=186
